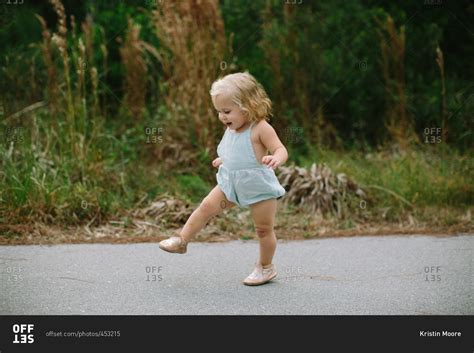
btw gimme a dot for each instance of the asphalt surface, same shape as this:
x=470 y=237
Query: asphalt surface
x=383 y=275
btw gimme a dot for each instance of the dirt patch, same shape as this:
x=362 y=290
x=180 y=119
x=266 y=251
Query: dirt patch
x=40 y=234
x=166 y=217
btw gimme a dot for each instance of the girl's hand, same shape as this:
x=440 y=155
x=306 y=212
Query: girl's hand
x=271 y=161
x=217 y=162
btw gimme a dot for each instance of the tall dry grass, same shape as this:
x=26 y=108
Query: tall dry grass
x=88 y=68
x=132 y=55
x=102 y=103
x=192 y=46
x=52 y=91
x=57 y=167
x=59 y=38
x=72 y=88
x=444 y=114
x=399 y=122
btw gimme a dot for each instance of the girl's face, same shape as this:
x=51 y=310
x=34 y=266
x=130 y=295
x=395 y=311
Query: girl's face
x=230 y=113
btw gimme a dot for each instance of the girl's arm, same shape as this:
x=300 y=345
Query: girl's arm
x=278 y=153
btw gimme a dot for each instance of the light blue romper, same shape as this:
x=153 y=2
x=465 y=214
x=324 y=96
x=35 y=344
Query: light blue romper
x=243 y=180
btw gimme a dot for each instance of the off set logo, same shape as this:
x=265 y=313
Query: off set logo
x=23 y=333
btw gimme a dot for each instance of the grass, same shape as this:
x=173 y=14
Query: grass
x=38 y=183
x=424 y=177
x=192 y=187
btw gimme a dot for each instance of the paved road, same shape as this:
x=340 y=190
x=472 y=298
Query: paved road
x=387 y=275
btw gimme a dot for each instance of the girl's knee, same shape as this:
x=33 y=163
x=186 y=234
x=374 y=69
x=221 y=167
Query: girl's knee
x=264 y=231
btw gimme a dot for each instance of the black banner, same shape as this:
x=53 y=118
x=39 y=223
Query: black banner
x=155 y=333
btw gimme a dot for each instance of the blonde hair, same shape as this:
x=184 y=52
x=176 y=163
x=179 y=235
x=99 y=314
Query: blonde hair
x=245 y=91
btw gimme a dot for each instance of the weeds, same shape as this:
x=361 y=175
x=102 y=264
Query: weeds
x=399 y=122
x=62 y=162
x=193 y=46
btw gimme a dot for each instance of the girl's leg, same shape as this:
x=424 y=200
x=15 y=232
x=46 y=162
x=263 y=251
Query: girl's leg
x=263 y=214
x=212 y=205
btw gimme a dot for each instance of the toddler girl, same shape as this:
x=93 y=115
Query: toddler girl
x=247 y=155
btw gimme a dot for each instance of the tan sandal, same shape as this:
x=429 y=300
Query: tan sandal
x=261 y=275
x=174 y=245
